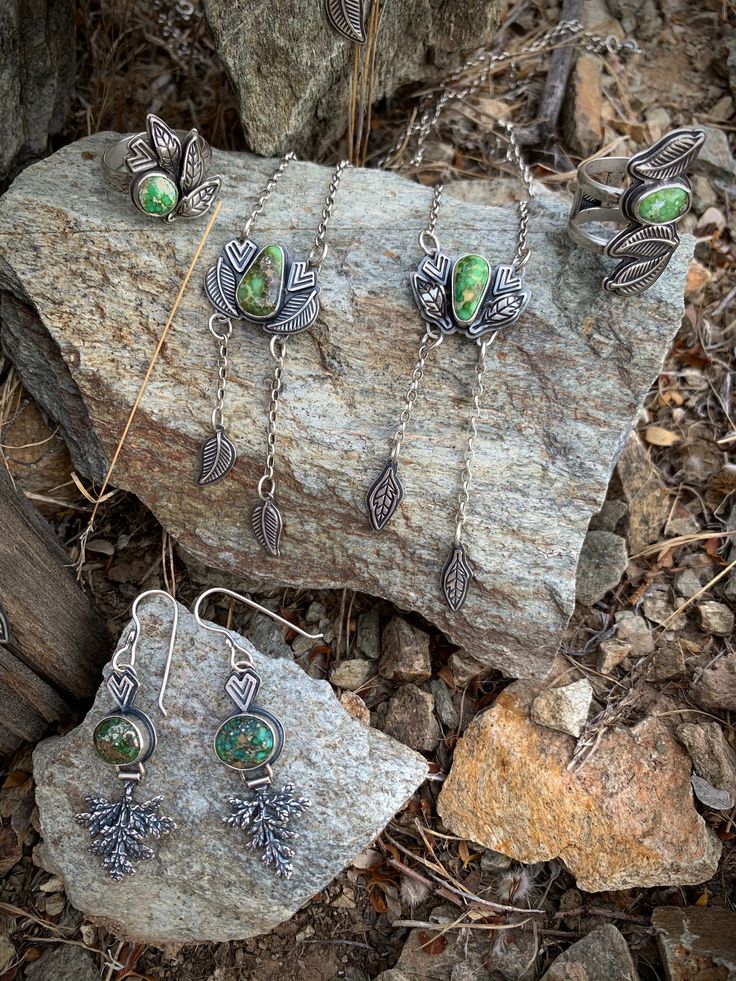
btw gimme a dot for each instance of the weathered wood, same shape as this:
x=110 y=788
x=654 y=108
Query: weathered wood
x=563 y=388
x=57 y=641
x=291 y=72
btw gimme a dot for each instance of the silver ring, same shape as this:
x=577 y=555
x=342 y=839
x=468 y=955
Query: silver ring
x=164 y=171
x=628 y=209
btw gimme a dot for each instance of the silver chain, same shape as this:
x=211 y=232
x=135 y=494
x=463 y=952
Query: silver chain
x=266 y=194
x=429 y=342
x=222 y=337
x=319 y=249
x=278 y=350
x=467 y=475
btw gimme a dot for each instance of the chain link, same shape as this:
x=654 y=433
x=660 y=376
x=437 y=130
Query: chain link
x=266 y=194
x=429 y=342
x=319 y=249
x=222 y=336
x=278 y=349
x=469 y=460
x=428 y=240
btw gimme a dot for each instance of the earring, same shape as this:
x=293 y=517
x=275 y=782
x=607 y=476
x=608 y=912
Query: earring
x=126 y=739
x=263 y=287
x=250 y=741
x=463 y=295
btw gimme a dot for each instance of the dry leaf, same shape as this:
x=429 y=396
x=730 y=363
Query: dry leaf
x=658 y=436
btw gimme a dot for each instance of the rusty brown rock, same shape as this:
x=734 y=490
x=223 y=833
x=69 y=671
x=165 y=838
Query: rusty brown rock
x=89 y=284
x=696 y=944
x=510 y=789
x=583 y=111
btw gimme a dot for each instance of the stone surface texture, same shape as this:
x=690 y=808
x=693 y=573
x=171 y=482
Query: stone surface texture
x=603 y=560
x=37 y=70
x=203 y=884
x=89 y=283
x=696 y=944
x=510 y=789
x=404 y=652
x=291 y=71
x=565 y=708
x=602 y=955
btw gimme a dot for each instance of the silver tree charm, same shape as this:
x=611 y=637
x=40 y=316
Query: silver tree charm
x=266 y=816
x=118 y=829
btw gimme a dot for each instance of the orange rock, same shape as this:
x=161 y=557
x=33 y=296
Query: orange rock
x=626 y=818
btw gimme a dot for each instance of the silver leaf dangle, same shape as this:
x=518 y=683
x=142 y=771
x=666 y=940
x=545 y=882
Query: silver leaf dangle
x=384 y=496
x=456 y=577
x=267 y=526
x=218 y=458
x=347 y=18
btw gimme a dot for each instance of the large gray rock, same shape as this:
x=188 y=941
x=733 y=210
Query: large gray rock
x=203 y=883
x=36 y=77
x=90 y=283
x=291 y=72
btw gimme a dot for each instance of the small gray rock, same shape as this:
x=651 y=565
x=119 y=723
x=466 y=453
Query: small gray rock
x=368 y=635
x=667 y=663
x=494 y=862
x=63 y=963
x=716 y=618
x=266 y=636
x=410 y=719
x=715 y=689
x=609 y=516
x=611 y=653
x=316 y=611
x=602 y=562
x=601 y=956
x=565 y=709
x=658 y=607
x=713 y=759
x=634 y=630
x=352 y=674
x=513 y=955
x=404 y=652
x=465 y=667
x=444 y=704
x=687 y=583
x=715 y=156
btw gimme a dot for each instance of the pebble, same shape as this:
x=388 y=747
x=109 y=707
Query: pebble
x=355 y=705
x=492 y=861
x=315 y=612
x=715 y=689
x=633 y=629
x=465 y=667
x=513 y=955
x=444 y=705
x=658 y=607
x=712 y=220
x=352 y=674
x=609 y=516
x=716 y=618
x=603 y=955
x=713 y=759
x=368 y=634
x=715 y=155
x=602 y=562
x=404 y=652
x=410 y=719
x=611 y=653
x=565 y=709
x=667 y=663
x=687 y=583
x=266 y=636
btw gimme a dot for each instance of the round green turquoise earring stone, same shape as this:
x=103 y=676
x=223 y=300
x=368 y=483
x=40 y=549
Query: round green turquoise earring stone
x=157 y=195
x=469 y=280
x=259 y=291
x=244 y=741
x=117 y=741
x=663 y=205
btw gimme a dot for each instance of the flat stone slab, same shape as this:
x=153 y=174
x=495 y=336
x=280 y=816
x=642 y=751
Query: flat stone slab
x=90 y=284
x=203 y=884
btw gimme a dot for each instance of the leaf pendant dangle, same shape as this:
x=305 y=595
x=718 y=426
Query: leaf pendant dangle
x=347 y=17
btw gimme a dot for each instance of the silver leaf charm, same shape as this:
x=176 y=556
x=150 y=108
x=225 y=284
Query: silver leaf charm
x=192 y=164
x=384 y=496
x=636 y=275
x=456 y=577
x=199 y=201
x=218 y=458
x=265 y=817
x=502 y=311
x=645 y=243
x=165 y=142
x=267 y=526
x=347 y=17
x=4 y=627
x=668 y=157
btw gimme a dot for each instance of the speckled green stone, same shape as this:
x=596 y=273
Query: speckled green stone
x=469 y=281
x=244 y=741
x=157 y=195
x=117 y=741
x=665 y=204
x=259 y=291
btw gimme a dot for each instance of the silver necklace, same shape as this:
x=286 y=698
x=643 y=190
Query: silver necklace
x=262 y=287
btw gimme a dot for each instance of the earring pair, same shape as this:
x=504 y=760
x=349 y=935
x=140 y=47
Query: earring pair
x=249 y=742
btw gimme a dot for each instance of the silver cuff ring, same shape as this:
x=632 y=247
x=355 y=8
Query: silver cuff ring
x=642 y=197
x=164 y=171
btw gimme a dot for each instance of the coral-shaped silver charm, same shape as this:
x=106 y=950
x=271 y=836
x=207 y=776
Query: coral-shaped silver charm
x=266 y=816
x=118 y=829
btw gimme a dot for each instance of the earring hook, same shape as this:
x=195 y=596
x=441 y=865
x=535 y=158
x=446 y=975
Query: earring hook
x=131 y=643
x=248 y=602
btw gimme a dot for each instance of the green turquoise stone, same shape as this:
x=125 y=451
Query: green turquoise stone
x=117 y=741
x=157 y=194
x=665 y=204
x=244 y=741
x=469 y=281
x=260 y=289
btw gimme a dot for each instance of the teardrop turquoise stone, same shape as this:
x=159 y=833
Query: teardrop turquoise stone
x=469 y=281
x=260 y=289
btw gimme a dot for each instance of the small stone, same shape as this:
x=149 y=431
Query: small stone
x=410 y=719
x=681 y=522
x=603 y=954
x=698 y=277
x=494 y=862
x=657 y=607
x=355 y=705
x=352 y=674
x=696 y=943
x=444 y=705
x=663 y=205
x=611 y=653
x=667 y=663
x=565 y=709
x=420 y=961
x=302 y=645
x=260 y=290
x=266 y=636
x=715 y=155
x=67 y=962
x=609 y=516
x=704 y=195
x=712 y=220
x=633 y=629
x=157 y=194
x=688 y=583
x=465 y=667
x=601 y=564
x=715 y=689
x=315 y=612
x=716 y=618
x=367 y=639
x=469 y=281
x=404 y=652
x=658 y=122
x=244 y=741
x=513 y=955
x=117 y=740
x=713 y=759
